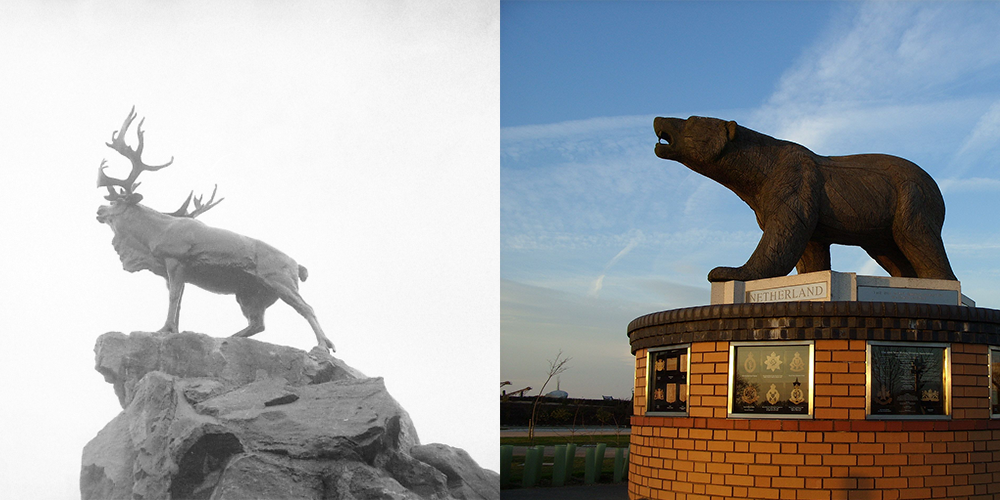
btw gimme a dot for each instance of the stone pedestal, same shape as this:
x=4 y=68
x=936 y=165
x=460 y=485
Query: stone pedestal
x=832 y=286
x=839 y=448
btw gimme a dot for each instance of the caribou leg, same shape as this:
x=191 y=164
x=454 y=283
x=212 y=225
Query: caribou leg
x=175 y=287
x=253 y=304
x=321 y=337
x=291 y=297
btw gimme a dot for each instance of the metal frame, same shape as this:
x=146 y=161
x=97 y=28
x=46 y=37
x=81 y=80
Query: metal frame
x=811 y=363
x=945 y=380
x=649 y=376
x=994 y=357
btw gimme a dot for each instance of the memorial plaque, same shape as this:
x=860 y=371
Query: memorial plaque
x=994 y=382
x=908 y=380
x=667 y=381
x=771 y=380
x=808 y=291
x=914 y=295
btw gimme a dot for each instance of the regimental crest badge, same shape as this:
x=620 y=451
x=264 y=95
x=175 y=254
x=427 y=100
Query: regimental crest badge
x=930 y=395
x=796 y=364
x=773 y=362
x=750 y=365
x=658 y=394
x=749 y=395
x=660 y=365
x=796 y=397
x=772 y=395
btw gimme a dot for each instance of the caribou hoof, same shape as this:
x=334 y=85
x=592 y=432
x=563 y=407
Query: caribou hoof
x=329 y=345
x=248 y=331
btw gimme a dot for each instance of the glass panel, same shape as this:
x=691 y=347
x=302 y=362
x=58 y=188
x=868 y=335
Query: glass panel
x=771 y=379
x=994 y=383
x=907 y=381
x=667 y=382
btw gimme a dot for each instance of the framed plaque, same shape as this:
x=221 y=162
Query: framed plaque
x=667 y=380
x=908 y=380
x=771 y=379
x=994 y=382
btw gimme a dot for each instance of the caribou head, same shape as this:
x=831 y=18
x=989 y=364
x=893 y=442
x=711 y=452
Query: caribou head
x=125 y=196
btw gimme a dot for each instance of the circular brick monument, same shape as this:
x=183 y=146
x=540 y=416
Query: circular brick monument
x=815 y=400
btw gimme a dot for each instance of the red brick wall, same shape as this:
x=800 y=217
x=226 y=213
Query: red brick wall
x=836 y=455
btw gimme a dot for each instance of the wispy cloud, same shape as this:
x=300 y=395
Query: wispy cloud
x=984 y=138
x=561 y=130
x=585 y=183
x=975 y=184
x=883 y=65
x=637 y=238
x=891 y=52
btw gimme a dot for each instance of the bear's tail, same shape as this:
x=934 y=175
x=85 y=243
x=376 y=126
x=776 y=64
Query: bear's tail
x=303 y=272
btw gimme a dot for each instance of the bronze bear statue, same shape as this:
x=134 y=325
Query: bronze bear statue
x=805 y=202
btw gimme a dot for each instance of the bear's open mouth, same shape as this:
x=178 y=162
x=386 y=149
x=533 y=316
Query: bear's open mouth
x=664 y=138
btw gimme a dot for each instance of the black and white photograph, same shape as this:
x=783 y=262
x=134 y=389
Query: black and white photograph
x=320 y=315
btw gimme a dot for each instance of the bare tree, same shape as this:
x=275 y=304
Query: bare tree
x=556 y=366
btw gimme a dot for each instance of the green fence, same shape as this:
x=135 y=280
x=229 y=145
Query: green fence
x=559 y=465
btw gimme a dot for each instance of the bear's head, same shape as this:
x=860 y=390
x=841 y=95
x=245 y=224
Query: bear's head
x=694 y=142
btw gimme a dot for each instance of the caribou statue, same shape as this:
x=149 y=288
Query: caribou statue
x=184 y=250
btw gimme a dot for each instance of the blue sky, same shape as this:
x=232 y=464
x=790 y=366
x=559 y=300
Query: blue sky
x=576 y=60
x=595 y=230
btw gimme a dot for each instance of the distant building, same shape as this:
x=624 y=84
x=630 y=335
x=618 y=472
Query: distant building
x=558 y=393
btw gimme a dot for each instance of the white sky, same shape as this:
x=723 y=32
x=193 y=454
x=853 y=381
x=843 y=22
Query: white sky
x=358 y=137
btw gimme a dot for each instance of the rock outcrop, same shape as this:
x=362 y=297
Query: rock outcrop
x=234 y=418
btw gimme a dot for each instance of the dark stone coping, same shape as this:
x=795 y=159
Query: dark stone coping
x=885 y=321
x=815 y=425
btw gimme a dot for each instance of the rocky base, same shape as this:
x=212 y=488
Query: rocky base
x=234 y=418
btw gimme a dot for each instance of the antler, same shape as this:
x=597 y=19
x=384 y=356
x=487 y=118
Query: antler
x=199 y=208
x=117 y=143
